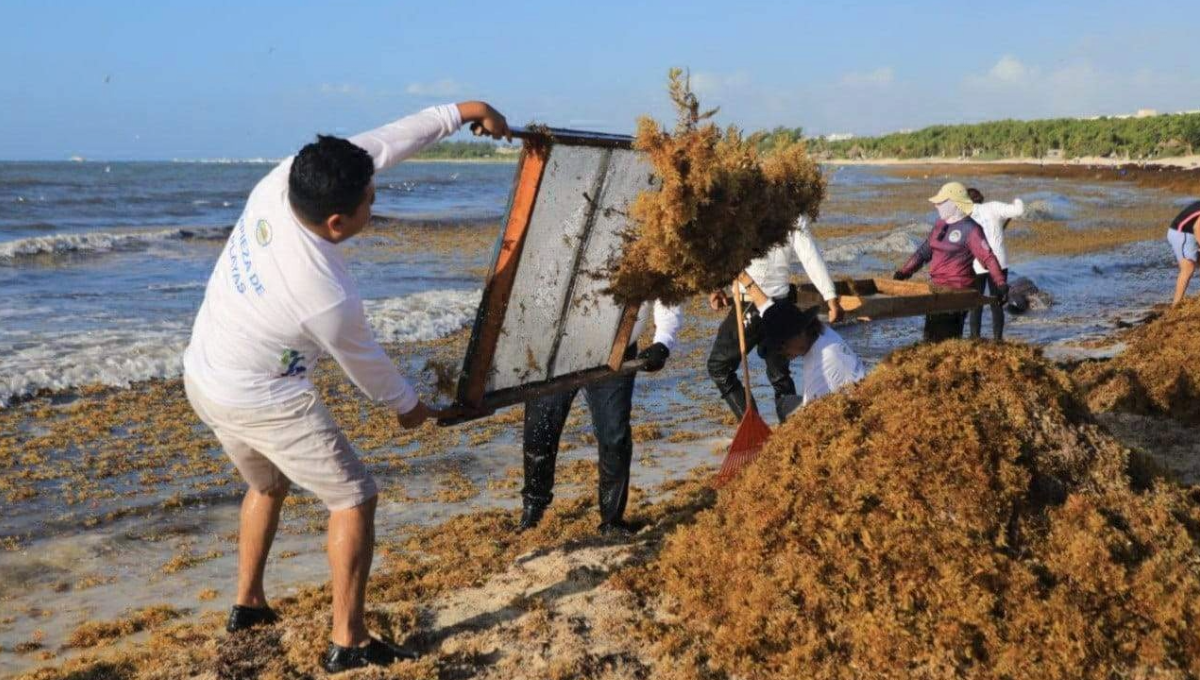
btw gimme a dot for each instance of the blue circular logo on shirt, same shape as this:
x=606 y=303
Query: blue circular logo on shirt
x=262 y=232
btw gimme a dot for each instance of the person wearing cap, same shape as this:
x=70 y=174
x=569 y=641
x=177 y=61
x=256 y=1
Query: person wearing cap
x=1182 y=238
x=953 y=245
x=773 y=273
x=787 y=331
x=994 y=217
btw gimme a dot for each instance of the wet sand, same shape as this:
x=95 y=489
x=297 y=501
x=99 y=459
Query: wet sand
x=118 y=499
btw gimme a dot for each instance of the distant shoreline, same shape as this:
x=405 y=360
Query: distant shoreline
x=493 y=160
x=1182 y=162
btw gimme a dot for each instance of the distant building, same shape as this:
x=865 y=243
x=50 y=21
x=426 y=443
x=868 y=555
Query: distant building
x=839 y=136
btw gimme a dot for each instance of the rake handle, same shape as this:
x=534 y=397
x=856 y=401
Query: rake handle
x=741 y=330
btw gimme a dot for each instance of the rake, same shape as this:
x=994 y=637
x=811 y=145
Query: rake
x=752 y=432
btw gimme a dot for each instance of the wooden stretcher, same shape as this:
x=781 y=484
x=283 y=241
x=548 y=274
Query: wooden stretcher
x=883 y=298
x=544 y=324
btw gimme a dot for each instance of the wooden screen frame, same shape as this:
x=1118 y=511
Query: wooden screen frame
x=473 y=400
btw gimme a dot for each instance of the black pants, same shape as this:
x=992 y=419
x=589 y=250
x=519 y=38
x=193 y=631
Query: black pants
x=984 y=282
x=946 y=326
x=725 y=359
x=611 y=402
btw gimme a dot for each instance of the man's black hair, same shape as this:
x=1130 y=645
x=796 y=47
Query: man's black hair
x=975 y=194
x=329 y=177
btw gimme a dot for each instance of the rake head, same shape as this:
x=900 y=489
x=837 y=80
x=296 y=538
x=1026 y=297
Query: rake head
x=751 y=434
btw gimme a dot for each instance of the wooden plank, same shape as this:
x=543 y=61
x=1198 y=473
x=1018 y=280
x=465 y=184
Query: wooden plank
x=624 y=336
x=532 y=321
x=893 y=299
x=591 y=317
x=496 y=293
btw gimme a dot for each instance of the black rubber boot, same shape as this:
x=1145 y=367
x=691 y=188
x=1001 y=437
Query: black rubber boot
x=242 y=618
x=531 y=515
x=619 y=529
x=374 y=653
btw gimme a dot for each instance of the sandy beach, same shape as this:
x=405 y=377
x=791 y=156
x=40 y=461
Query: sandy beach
x=120 y=508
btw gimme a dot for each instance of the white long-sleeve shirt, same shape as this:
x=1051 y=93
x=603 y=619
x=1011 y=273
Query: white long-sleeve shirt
x=829 y=366
x=773 y=271
x=991 y=216
x=667 y=321
x=280 y=296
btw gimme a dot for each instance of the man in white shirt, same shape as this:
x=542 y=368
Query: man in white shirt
x=611 y=404
x=829 y=363
x=993 y=216
x=280 y=297
x=772 y=273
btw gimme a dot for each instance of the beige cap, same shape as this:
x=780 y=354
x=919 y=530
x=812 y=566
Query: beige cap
x=955 y=191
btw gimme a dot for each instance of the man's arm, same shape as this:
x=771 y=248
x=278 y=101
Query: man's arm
x=399 y=140
x=343 y=332
x=810 y=259
x=667 y=321
x=1008 y=211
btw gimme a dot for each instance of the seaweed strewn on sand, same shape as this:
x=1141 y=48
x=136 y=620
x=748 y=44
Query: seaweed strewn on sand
x=1181 y=180
x=957 y=514
x=720 y=203
x=1158 y=373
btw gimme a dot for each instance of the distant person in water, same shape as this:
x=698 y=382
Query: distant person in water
x=993 y=217
x=953 y=245
x=1182 y=237
x=280 y=297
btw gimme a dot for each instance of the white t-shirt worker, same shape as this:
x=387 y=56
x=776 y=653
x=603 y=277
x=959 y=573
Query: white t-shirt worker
x=279 y=298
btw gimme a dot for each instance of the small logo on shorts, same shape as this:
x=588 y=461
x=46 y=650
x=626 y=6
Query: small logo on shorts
x=955 y=236
x=293 y=363
x=262 y=233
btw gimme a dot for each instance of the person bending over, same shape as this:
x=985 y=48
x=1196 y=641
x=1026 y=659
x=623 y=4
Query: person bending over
x=993 y=217
x=773 y=274
x=955 y=242
x=829 y=363
x=280 y=297
x=1182 y=238
x=611 y=404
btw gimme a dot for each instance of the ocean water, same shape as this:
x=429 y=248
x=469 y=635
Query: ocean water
x=103 y=265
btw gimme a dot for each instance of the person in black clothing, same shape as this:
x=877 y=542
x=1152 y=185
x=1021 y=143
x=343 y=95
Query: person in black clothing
x=611 y=403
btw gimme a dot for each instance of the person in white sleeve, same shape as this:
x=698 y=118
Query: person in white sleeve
x=772 y=273
x=611 y=404
x=279 y=298
x=994 y=217
x=829 y=362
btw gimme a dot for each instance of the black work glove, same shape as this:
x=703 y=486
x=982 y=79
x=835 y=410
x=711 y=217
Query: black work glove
x=901 y=276
x=1002 y=294
x=655 y=357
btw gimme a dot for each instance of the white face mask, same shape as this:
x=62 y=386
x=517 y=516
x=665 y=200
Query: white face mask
x=949 y=212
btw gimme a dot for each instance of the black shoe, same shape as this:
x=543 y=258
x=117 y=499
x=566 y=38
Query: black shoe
x=374 y=653
x=530 y=516
x=241 y=618
x=618 y=529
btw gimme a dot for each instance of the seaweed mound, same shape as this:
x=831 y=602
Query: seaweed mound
x=956 y=514
x=1159 y=371
x=719 y=204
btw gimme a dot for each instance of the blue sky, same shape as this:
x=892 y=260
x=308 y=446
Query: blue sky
x=157 y=80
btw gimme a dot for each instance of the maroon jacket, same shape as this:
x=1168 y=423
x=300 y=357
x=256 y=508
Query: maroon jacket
x=953 y=249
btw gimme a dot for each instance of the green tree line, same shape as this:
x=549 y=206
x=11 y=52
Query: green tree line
x=460 y=150
x=1133 y=138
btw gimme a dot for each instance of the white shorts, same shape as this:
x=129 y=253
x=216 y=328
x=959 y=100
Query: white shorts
x=295 y=441
x=1183 y=245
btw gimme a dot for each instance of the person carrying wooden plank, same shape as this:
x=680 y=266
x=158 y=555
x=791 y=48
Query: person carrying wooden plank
x=829 y=363
x=994 y=217
x=280 y=297
x=772 y=273
x=951 y=248
x=611 y=404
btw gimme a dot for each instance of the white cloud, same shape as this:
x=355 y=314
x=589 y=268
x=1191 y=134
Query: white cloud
x=340 y=88
x=880 y=77
x=446 y=87
x=1010 y=70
